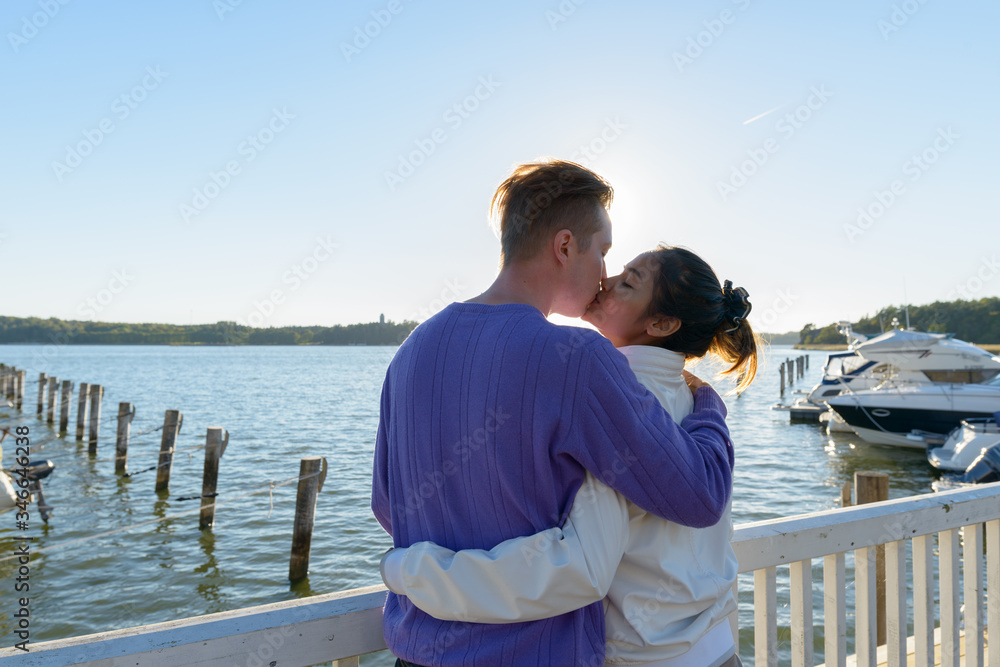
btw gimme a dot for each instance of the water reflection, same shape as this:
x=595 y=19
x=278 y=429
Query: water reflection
x=212 y=580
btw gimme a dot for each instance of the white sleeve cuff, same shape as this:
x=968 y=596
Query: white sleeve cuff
x=391 y=568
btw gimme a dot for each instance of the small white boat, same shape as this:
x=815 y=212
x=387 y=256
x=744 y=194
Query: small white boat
x=965 y=444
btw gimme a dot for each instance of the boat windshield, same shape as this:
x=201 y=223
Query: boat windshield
x=972 y=376
x=844 y=365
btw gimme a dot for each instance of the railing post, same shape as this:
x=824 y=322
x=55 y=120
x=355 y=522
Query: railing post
x=765 y=617
x=950 y=596
x=215 y=446
x=800 y=574
x=972 y=564
x=81 y=410
x=43 y=383
x=67 y=398
x=125 y=415
x=312 y=472
x=873 y=487
x=50 y=415
x=923 y=599
x=895 y=590
x=993 y=588
x=834 y=610
x=865 y=616
x=96 y=395
x=172 y=421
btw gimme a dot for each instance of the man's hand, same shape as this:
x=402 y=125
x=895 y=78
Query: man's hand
x=694 y=382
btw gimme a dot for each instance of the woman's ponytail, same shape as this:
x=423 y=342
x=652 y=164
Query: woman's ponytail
x=735 y=341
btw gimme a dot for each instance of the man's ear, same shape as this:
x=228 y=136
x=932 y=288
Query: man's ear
x=662 y=326
x=561 y=243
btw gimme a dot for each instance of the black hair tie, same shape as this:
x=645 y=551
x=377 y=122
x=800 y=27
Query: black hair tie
x=737 y=304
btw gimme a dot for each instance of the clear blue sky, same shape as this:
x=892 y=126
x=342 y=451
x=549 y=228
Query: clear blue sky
x=310 y=115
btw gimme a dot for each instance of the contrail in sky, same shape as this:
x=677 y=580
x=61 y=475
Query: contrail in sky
x=747 y=122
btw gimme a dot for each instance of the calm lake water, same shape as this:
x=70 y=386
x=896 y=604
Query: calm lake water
x=280 y=404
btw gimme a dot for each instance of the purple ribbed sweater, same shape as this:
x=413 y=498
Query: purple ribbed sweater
x=489 y=417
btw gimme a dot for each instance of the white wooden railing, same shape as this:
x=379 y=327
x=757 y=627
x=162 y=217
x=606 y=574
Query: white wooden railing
x=342 y=626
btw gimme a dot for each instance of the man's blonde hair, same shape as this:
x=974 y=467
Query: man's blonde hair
x=540 y=198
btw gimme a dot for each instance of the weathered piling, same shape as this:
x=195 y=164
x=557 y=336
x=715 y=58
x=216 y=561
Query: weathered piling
x=781 y=370
x=312 y=473
x=81 y=410
x=807 y=361
x=19 y=389
x=216 y=440
x=4 y=374
x=96 y=394
x=64 y=401
x=873 y=487
x=126 y=412
x=43 y=384
x=50 y=415
x=172 y=421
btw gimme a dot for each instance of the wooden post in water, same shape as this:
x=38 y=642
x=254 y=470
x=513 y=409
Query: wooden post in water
x=50 y=415
x=4 y=373
x=43 y=383
x=781 y=370
x=125 y=414
x=215 y=446
x=81 y=410
x=67 y=398
x=19 y=389
x=96 y=394
x=873 y=487
x=807 y=361
x=312 y=472
x=171 y=427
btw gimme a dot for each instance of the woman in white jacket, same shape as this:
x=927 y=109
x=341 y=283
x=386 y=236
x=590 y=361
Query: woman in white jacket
x=667 y=588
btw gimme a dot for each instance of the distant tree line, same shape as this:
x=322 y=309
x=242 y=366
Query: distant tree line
x=75 y=332
x=973 y=321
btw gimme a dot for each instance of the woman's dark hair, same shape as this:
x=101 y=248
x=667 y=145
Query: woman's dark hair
x=712 y=316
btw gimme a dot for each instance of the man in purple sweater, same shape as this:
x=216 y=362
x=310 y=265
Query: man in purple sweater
x=490 y=416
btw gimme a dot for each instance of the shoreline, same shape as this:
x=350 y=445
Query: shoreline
x=993 y=348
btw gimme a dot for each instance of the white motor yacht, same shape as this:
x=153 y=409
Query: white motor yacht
x=888 y=414
x=899 y=356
